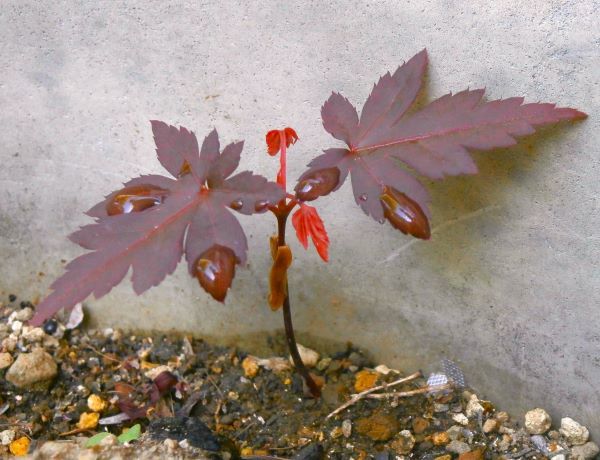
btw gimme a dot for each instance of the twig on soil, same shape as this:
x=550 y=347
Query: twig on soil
x=357 y=397
x=404 y=394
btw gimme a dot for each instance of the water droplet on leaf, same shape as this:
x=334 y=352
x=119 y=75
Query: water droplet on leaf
x=135 y=198
x=318 y=183
x=215 y=269
x=404 y=213
x=363 y=197
x=236 y=204
x=261 y=206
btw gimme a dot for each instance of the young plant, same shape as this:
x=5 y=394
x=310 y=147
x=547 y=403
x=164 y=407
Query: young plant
x=151 y=222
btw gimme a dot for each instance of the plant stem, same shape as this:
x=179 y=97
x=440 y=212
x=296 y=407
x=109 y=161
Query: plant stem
x=287 y=318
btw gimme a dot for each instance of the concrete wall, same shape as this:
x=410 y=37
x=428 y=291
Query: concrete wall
x=509 y=286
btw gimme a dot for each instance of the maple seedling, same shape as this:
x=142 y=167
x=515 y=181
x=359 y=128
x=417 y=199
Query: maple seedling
x=154 y=220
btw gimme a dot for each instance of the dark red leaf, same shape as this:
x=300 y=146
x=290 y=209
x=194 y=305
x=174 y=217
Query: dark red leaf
x=434 y=141
x=152 y=240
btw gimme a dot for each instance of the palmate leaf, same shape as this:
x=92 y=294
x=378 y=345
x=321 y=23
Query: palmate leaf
x=187 y=214
x=434 y=141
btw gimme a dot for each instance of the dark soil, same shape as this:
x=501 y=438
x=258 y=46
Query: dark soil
x=234 y=410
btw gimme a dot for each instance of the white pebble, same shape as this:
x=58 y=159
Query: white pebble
x=474 y=408
x=7 y=436
x=309 y=357
x=537 y=421
x=575 y=433
x=460 y=418
x=16 y=326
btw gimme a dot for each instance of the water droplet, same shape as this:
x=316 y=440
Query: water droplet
x=236 y=204
x=261 y=206
x=215 y=269
x=381 y=221
x=404 y=213
x=363 y=197
x=317 y=183
x=135 y=198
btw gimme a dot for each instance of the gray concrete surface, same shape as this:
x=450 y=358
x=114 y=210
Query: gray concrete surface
x=509 y=286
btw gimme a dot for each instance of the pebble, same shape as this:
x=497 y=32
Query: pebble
x=323 y=364
x=16 y=326
x=440 y=439
x=9 y=343
x=455 y=433
x=309 y=357
x=365 y=380
x=476 y=454
x=540 y=443
x=537 y=421
x=460 y=418
x=419 y=425
x=575 y=433
x=19 y=447
x=559 y=457
x=96 y=403
x=586 y=451
x=110 y=440
x=7 y=436
x=437 y=407
x=33 y=334
x=32 y=369
x=156 y=371
x=384 y=370
x=88 y=420
x=474 y=407
x=347 y=428
x=378 y=427
x=404 y=442
x=490 y=425
x=6 y=360
x=458 y=447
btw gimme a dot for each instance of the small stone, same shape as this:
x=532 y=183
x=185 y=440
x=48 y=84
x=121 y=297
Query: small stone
x=419 y=425
x=171 y=444
x=586 y=451
x=440 y=439
x=575 y=433
x=96 y=403
x=384 y=370
x=275 y=364
x=476 y=454
x=404 y=442
x=537 y=421
x=16 y=326
x=347 y=428
x=19 y=447
x=336 y=432
x=35 y=369
x=458 y=447
x=559 y=457
x=491 y=425
x=378 y=427
x=6 y=360
x=24 y=314
x=33 y=334
x=7 y=436
x=365 y=380
x=540 y=442
x=9 y=343
x=250 y=366
x=323 y=364
x=474 y=407
x=156 y=371
x=88 y=420
x=108 y=441
x=438 y=407
x=455 y=433
x=309 y=357
x=502 y=417
x=461 y=419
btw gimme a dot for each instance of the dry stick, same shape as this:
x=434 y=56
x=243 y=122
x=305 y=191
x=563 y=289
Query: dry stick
x=359 y=396
x=404 y=394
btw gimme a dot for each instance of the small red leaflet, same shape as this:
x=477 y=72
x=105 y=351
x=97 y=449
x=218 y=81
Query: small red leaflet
x=150 y=223
x=433 y=141
x=307 y=222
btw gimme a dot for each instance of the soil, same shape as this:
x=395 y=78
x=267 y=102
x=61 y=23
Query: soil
x=196 y=400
